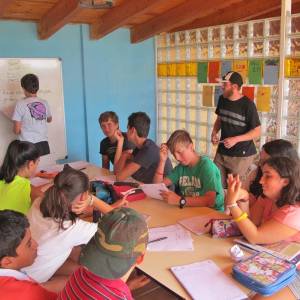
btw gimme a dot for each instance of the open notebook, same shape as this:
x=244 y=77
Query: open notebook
x=205 y=280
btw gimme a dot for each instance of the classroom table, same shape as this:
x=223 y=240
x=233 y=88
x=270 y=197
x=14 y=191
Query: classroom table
x=156 y=264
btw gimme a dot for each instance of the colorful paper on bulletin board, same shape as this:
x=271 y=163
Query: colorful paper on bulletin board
x=255 y=71
x=191 y=69
x=162 y=70
x=263 y=98
x=241 y=66
x=226 y=66
x=171 y=69
x=180 y=69
x=292 y=67
x=218 y=93
x=271 y=71
x=248 y=91
x=213 y=71
x=207 y=95
x=202 y=72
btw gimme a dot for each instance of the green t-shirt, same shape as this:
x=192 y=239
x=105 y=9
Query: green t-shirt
x=196 y=181
x=15 y=195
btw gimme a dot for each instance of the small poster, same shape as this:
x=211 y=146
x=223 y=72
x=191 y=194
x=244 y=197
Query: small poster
x=202 y=72
x=255 y=71
x=241 y=66
x=271 y=71
x=162 y=70
x=171 y=69
x=213 y=71
x=263 y=98
x=248 y=91
x=292 y=67
x=180 y=69
x=191 y=69
x=226 y=66
x=207 y=95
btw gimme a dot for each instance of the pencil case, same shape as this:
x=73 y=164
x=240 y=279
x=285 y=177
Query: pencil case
x=264 y=273
x=224 y=228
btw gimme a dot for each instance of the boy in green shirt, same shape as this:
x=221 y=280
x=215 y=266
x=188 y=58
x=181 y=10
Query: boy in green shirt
x=197 y=177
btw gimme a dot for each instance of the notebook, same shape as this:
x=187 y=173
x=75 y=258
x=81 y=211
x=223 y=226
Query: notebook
x=205 y=280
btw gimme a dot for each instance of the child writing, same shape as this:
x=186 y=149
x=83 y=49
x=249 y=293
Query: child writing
x=115 y=142
x=56 y=227
x=275 y=216
x=197 y=177
x=31 y=115
x=19 y=164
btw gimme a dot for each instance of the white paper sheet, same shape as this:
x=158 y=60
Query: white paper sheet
x=153 y=190
x=178 y=239
x=205 y=281
x=197 y=224
x=37 y=181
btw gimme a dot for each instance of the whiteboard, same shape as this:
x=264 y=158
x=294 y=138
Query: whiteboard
x=49 y=72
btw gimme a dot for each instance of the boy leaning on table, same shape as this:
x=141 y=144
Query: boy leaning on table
x=197 y=177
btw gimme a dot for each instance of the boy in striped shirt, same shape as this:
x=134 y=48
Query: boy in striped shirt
x=109 y=258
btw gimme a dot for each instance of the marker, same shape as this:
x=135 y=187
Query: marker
x=157 y=240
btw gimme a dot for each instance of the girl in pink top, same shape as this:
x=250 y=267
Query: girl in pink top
x=275 y=216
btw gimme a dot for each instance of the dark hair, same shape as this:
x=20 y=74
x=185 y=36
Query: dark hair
x=141 y=122
x=105 y=116
x=17 y=155
x=287 y=168
x=68 y=184
x=275 y=148
x=13 y=227
x=30 y=83
x=179 y=137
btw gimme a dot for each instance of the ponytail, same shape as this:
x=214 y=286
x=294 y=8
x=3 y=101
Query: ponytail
x=56 y=204
x=17 y=155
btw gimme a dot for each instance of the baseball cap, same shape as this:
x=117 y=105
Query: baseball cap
x=122 y=236
x=233 y=77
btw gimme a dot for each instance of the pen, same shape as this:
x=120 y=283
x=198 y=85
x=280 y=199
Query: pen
x=157 y=240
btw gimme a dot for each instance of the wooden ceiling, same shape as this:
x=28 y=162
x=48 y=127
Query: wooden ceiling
x=145 y=18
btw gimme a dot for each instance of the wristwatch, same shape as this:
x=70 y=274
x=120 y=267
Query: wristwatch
x=182 y=202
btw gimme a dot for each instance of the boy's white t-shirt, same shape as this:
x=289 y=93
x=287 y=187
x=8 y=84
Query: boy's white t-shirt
x=32 y=112
x=54 y=244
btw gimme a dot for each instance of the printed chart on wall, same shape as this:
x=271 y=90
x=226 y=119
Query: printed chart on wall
x=49 y=71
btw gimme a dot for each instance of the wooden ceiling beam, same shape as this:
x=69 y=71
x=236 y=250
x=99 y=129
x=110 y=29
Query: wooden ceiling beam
x=178 y=16
x=120 y=16
x=250 y=10
x=57 y=17
x=4 y=4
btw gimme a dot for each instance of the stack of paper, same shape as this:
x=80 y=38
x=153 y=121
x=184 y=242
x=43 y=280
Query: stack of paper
x=197 y=224
x=205 y=280
x=153 y=190
x=170 y=238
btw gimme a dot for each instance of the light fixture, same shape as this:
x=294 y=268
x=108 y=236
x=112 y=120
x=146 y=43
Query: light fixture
x=96 y=4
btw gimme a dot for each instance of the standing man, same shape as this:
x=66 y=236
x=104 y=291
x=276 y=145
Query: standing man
x=239 y=124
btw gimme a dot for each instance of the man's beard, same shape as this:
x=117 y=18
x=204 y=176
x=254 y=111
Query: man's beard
x=228 y=93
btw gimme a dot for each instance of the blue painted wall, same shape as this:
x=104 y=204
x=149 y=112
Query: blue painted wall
x=109 y=74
